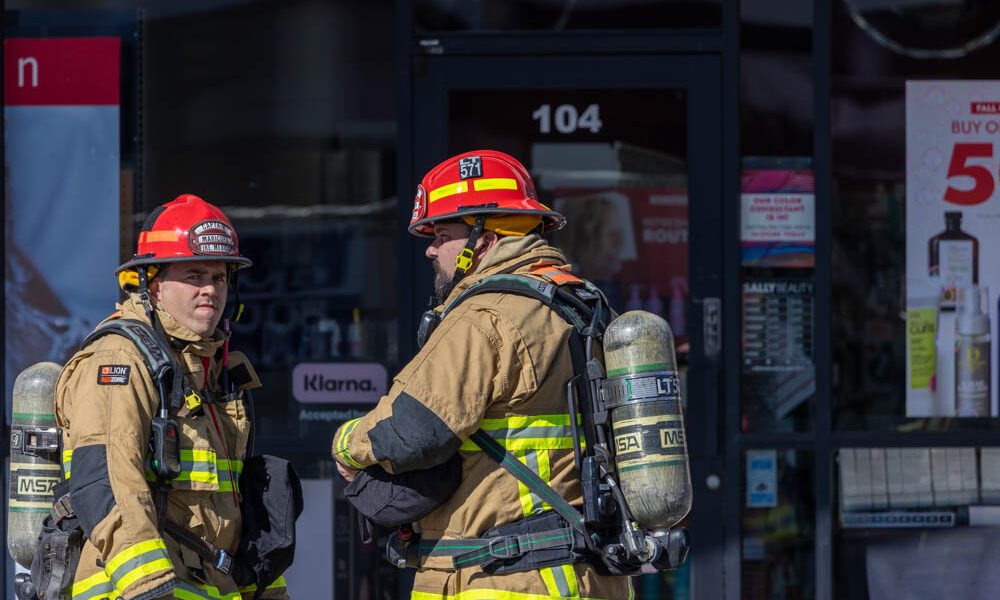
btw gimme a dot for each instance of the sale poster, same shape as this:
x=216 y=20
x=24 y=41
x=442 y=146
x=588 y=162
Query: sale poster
x=62 y=159
x=952 y=229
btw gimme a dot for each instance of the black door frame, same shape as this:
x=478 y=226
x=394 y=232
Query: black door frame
x=700 y=76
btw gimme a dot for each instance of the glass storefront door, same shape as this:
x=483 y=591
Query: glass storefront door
x=629 y=150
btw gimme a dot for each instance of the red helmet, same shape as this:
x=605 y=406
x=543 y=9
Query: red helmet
x=186 y=229
x=481 y=182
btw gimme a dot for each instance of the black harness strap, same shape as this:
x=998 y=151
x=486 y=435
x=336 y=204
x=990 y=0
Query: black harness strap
x=168 y=375
x=163 y=367
x=529 y=478
x=572 y=306
x=217 y=557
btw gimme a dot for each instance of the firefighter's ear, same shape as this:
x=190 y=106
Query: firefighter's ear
x=487 y=240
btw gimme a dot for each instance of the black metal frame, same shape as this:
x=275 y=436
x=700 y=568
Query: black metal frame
x=822 y=315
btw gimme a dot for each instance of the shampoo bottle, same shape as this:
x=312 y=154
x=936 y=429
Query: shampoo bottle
x=972 y=354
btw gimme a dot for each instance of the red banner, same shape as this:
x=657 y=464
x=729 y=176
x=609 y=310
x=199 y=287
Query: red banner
x=62 y=71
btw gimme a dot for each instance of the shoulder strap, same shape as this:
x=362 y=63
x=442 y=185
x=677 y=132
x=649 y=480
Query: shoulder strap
x=160 y=361
x=585 y=308
x=574 y=303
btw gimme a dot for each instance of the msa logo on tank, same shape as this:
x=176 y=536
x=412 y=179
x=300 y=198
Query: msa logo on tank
x=212 y=237
x=32 y=485
x=668 y=436
x=113 y=374
x=659 y=437
x=470 y=166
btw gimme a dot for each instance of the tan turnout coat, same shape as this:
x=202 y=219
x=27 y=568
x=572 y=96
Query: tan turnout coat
x=500 y=362
x=105 y=403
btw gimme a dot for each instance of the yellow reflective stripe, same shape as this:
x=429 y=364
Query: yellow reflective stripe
x=231 y=464
x=141 y=571
x=134 y=551
x=277 y=583
x=193 y=591
x=67 y=460
x=138 y=561
x=494 y=183
x=448 y=190
x=85 y=589
x=200 y=466
x=484 y=594
x=560 y=443
x=528 y=432
x=550 y=583
x=342 y=451
x=523 y=493
x=574 y=586
x=544 y=472
x=522 y=421
x=229 y=473
x=198 y=455
x=198 y=476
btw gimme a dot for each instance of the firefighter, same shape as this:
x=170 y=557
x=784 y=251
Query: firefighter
x=498 y=362
x=107 y=402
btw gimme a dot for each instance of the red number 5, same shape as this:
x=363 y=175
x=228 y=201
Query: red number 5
x=983 y=178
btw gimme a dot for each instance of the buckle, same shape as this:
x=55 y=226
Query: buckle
x=510 y=547
x=223 y=562
x=464 y=260
x=32 y=440
x=62 y=507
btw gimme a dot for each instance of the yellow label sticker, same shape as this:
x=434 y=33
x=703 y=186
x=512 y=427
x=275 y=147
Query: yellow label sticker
x=921 y=331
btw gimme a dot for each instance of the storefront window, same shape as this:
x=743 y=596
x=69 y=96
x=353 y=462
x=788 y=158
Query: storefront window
x=777 y=223
x=914 y=220
x=778 y=525
x=916 y=522
x=247 y=105
x=504 y=15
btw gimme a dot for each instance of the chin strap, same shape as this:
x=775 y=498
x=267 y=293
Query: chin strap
x=463 y=262
x=144 y=291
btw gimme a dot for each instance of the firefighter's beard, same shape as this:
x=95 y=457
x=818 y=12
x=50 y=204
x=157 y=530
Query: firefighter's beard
x=442 y=280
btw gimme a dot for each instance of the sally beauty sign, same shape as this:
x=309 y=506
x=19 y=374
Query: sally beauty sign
x=339 y=383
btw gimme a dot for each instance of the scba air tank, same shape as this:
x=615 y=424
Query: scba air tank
x=642 y=391
x=34 y=460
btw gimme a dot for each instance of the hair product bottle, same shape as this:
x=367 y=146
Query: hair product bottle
x=953 y=258
x=972 y=354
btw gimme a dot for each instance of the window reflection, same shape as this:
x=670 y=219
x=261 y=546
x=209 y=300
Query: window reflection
x=778 y=525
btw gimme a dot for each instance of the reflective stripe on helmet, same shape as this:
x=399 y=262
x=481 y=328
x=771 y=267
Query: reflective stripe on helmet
x=478 y=185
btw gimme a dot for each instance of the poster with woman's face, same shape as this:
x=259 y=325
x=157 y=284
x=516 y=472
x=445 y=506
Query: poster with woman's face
x=632 y=243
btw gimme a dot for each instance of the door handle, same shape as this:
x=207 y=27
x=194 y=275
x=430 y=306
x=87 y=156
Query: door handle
x=711 y=327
